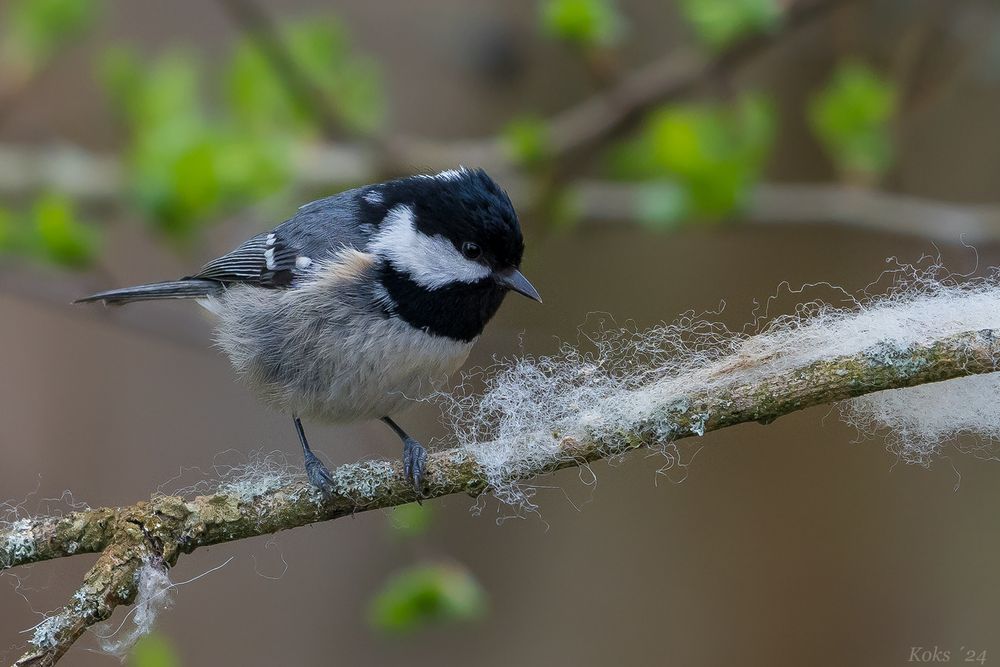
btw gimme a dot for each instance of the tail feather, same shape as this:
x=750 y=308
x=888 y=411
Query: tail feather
x=173 y=289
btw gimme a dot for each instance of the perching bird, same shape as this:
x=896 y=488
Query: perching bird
x=361 y=301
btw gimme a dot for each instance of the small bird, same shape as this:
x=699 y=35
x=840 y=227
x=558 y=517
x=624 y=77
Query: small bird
x=362 y=301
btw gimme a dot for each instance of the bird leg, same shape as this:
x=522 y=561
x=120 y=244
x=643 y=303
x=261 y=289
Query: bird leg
x=414 y=457
x=319 y=475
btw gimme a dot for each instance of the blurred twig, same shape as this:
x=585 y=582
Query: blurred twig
x=156 y=532
x=257 y=24
x=820 y=203
x=97 y=179
x=579 y=129
x=15 y=88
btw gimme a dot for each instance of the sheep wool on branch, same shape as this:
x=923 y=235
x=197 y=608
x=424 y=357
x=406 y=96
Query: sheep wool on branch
x=624 y=378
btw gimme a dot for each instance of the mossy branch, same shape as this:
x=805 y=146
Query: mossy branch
x=159 y=530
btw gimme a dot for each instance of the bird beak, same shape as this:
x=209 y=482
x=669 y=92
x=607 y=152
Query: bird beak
x=515 y=280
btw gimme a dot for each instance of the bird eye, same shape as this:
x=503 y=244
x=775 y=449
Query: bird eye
x=471 y=250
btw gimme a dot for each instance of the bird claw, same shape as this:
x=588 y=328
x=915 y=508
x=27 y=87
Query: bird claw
x=319 y=475
x=414 y=464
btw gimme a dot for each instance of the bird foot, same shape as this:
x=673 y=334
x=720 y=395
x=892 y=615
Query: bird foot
x=319 y=475
x=414 y=464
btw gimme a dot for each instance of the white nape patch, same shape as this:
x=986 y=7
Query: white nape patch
x=269 y=258
x=450 y=174
x=374 y=198
x=447 y=174
x=431 y=261
x=271 y=239
x=303 y=262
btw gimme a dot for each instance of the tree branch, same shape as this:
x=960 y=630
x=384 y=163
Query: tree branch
x=158 y=531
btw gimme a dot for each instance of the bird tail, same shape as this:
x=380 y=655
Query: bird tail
x=173 y=289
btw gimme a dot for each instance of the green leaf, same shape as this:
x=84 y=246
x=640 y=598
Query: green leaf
x=347 y=83
x=35 y=29
x=714 y=154
x=526 y=141
x=153 y=93
x=852 y=117
x=154 y=650
x=719 y=23
x=423 y=594
x=252 y=167
x=411 y=519
x=61 y=237
x=584 y=23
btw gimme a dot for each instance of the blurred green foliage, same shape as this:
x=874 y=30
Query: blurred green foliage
x=429 y=593
x=582 y=23
x=153 y=650
x=206 y=138
x=526 y=140
x=852 y=117
x=33 y=30
x=189 y=161
x=50 y=231
x=185 y=165
x=701 y=159
x=411 y=520
x=61 y=237
x=349 y=85
x=718 y=23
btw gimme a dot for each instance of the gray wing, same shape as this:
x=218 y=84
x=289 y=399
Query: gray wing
x=292 y=249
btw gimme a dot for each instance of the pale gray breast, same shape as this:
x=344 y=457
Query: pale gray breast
x=321 y=350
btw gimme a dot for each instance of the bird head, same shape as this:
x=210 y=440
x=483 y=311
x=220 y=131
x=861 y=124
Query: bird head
x=448 y=242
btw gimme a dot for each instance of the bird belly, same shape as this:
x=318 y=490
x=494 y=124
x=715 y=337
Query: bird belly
x=376 y=377
x=329 y=361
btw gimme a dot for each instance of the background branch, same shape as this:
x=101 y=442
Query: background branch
x=820 y=203
x=98 y=179
x=154 y=533
x=101 y=178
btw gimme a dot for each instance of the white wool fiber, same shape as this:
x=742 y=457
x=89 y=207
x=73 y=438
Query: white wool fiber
x=618 y=378
x=918 y=420
x=154 y=594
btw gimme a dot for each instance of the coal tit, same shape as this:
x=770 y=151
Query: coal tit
x=361 y=302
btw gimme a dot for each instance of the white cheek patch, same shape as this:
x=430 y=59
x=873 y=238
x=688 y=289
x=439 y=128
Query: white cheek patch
x=431 y=261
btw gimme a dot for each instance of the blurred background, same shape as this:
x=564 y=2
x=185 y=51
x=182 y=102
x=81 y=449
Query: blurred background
x=664 y=157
